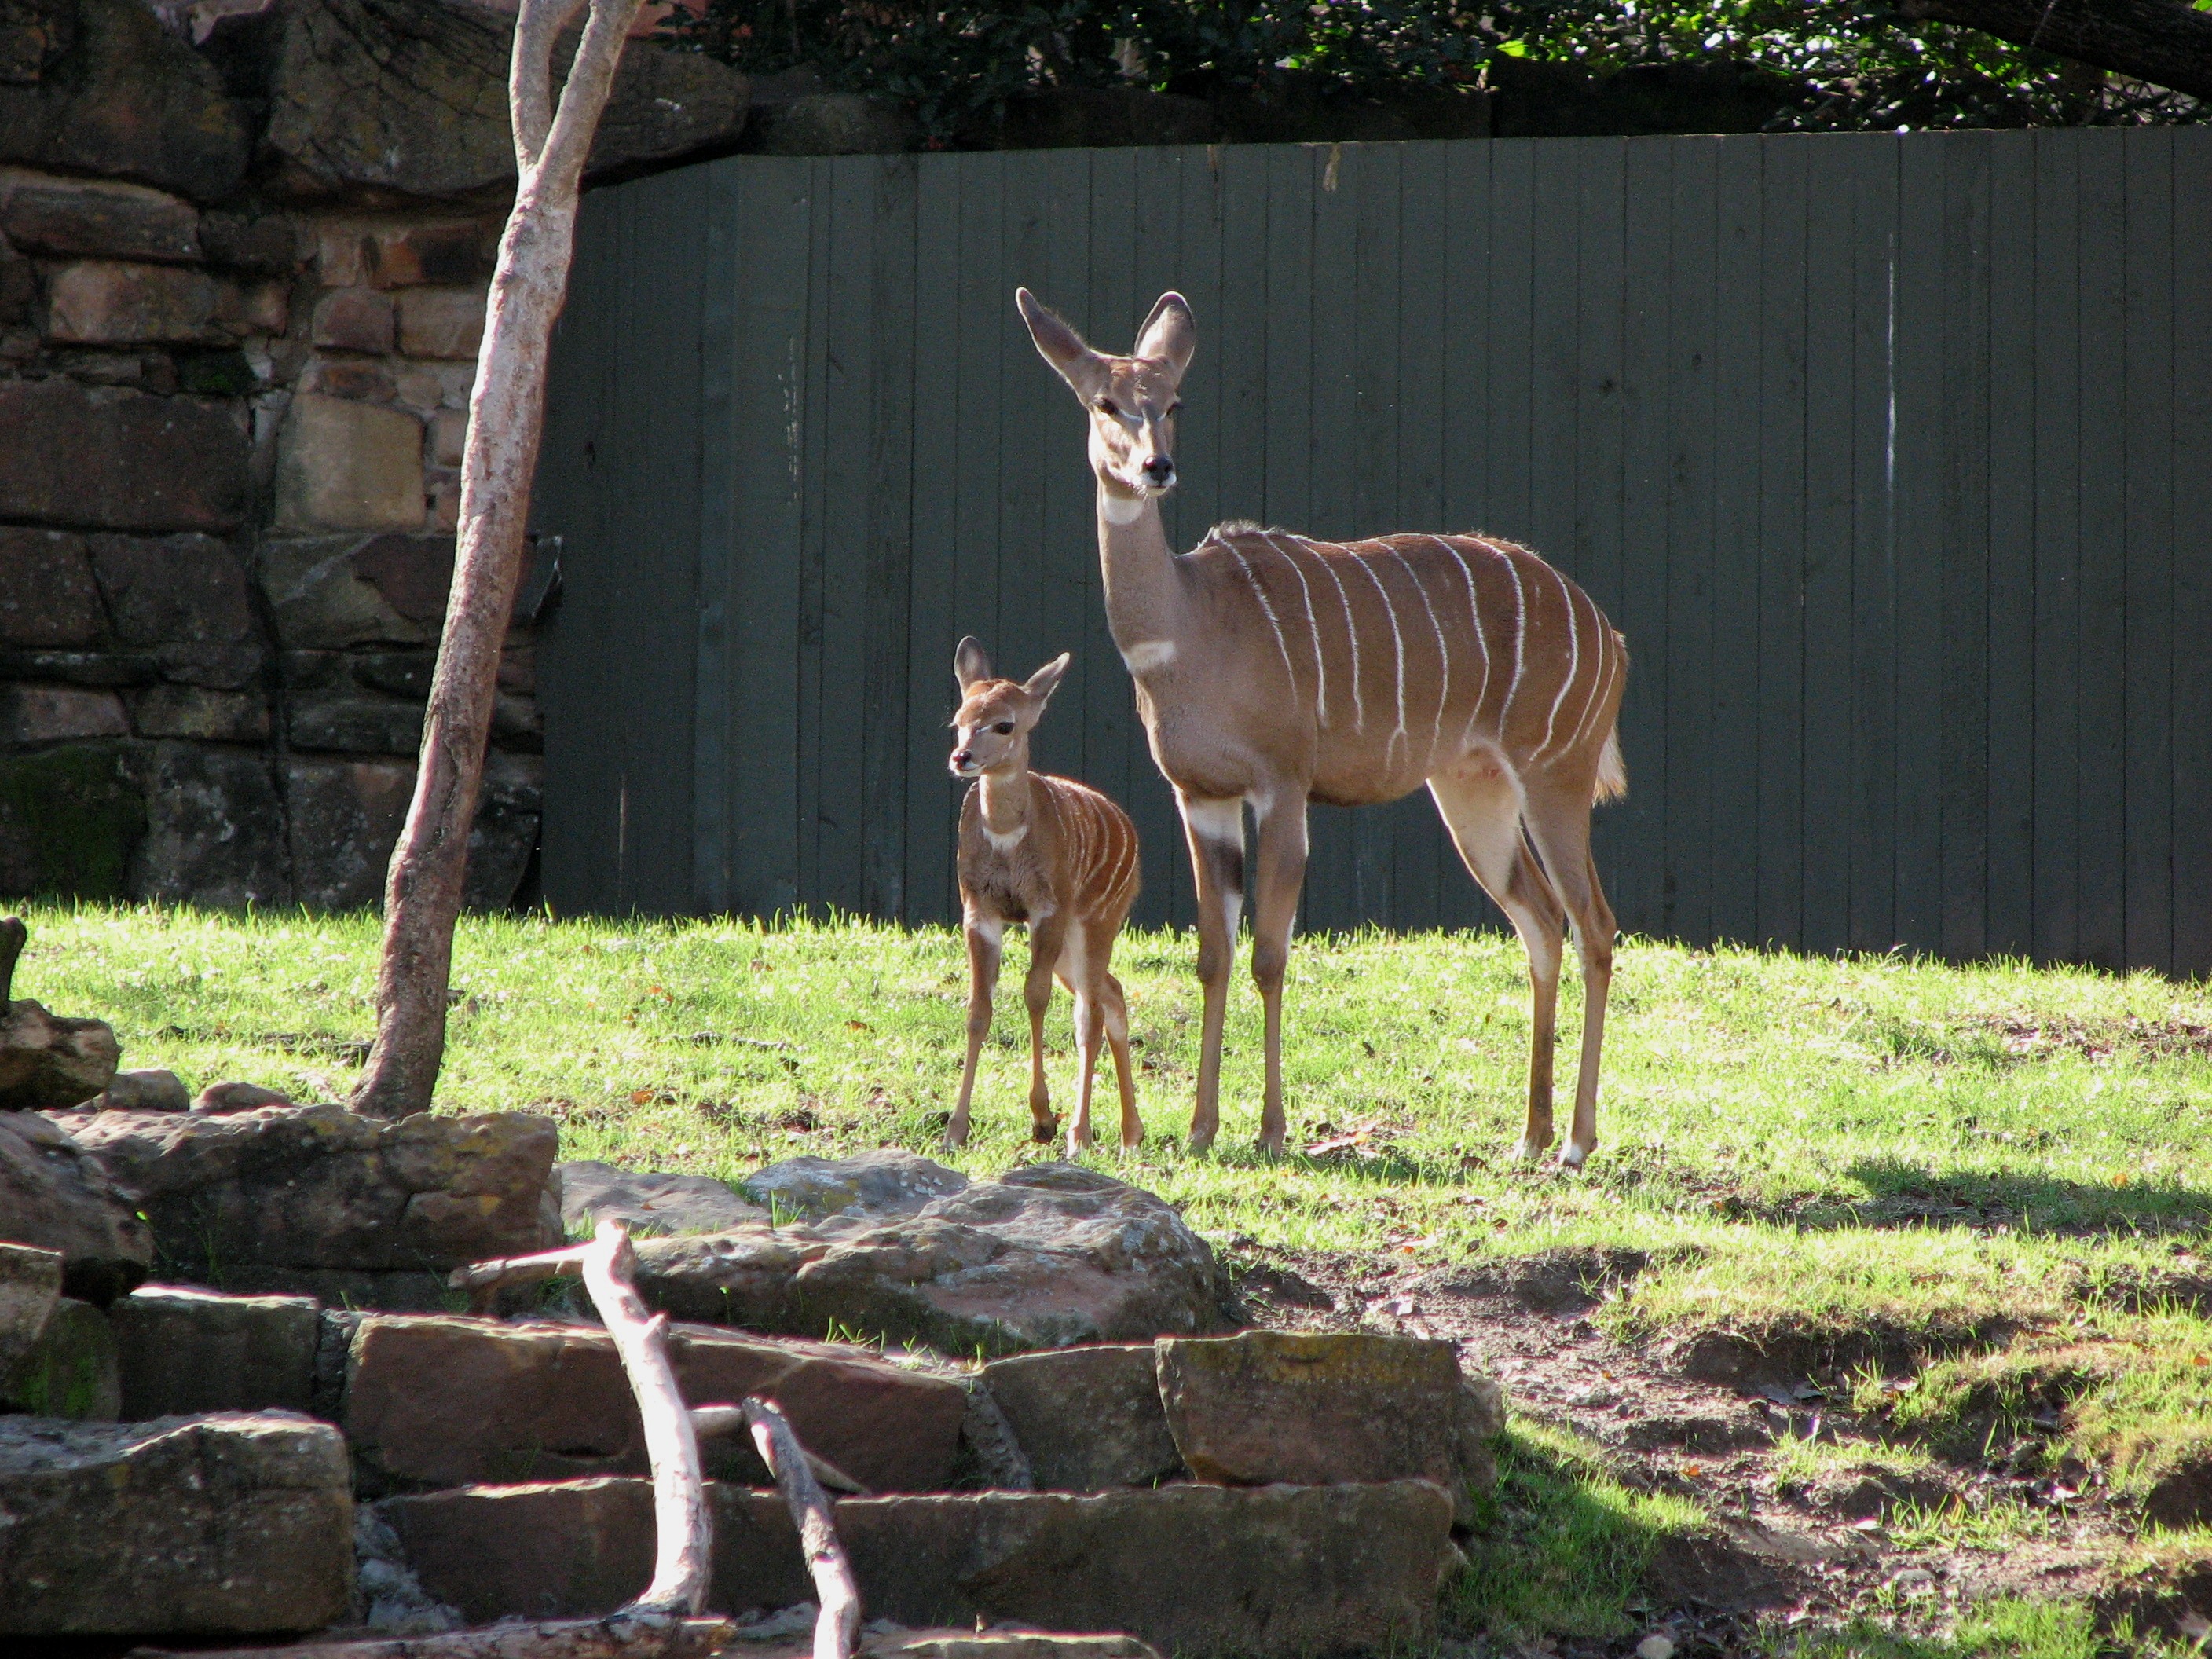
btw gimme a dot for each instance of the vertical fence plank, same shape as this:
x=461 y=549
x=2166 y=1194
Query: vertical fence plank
x=889 y=712
x=1732 y=770
x=1514 y=234
x=2191 y=473
x=1872 y=205
x=1690 y=574
x=1639 y=883
x=1963 y=637
x=2149 y=547
x=2013 y=887
x=2100 y=790
x=2057 y=485
x=1781 y=486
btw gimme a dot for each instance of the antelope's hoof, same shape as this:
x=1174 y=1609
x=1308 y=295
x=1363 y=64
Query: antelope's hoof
x=1571 y=1156
x=1042 y=1129
x=1201 y=1142
x=1530 y=1150
x=1269 y=1145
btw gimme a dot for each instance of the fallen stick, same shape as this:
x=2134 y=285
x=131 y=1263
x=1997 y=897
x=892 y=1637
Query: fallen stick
x=682 y=1526
x=711 y=1422
x=838 y=1623
x=615 y=1638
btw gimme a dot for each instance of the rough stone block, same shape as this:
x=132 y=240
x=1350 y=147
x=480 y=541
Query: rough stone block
x=241 y=241
x=1312 y=1407
x=454 y=251
x=143 y=1091
x=30 y=1284
x=245 y=309
x=214 y=831
x=345 y=465
x=432 y=1402
x=99 y=217
x=71 y=1371
x=354 y=319
x=316 y=1187
x=648 y=1202
x=345 y=818
x=356 y=724
x=107 y=303
x=1268 y=1572
x=59 y=714
x=182 y=1350
x=449 y=429
x=239 y=1097
x=186 y=590
x=191 y=711
x=70 y=822
x=1087 y=1419
x=833 y=123
x=441 y=322
x=223 y=1524
x=113 y=458
x=329 y=592
x=363 y=380
x=54 y=1196
x=48 y=600
x=50 y=1064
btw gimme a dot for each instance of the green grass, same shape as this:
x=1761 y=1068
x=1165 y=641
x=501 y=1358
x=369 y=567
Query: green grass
x=1989 y=1187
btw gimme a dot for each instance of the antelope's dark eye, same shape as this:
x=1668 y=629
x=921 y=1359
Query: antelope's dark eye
x=1108 y=406
x=1004 y=726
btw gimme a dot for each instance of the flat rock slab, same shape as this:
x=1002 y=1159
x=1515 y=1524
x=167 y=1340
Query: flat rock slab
x=1275 y=1571
x=1087 y=1419
x=50 y=1064
x=1046 y=1256
x=56 y=1195
x=181 y=1349
x=30 y=1284
x=451 y=1400
x=321 y=1187
x=879 y=1184
x=648 y=1202
x=186 y=1525
x=71 y=1371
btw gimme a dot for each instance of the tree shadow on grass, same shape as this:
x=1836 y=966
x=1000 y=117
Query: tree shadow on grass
x=1903 y=1194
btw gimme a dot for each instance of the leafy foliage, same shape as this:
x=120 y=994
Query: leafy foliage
x=1831 y=63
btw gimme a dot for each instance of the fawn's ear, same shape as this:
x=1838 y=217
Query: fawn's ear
x=969 y=664
x=1169 y=334
x=1042 y=684
x=1084 y=369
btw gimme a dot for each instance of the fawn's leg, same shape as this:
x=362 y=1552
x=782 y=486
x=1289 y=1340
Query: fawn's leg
x=1117 y=1036
x=1046 y=933
x=1076 y=973
x=985 y=943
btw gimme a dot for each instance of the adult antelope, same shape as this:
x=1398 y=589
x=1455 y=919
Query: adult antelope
x=1055 y=855
x=1273 y=670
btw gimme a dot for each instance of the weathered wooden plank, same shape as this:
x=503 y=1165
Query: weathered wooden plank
x=2192 y=572
x=1914 y=460
x=1732 y=768
x=2149 y=528
x=2011 y=439
x=1690 y=573
x=1872 y=204
x=1513 y=238
x=2056 y=494
x=1068 y=602
x=888 y=712
x=2101 y=787
x=1782 y=488
x=815 y=764
x=1964 y=457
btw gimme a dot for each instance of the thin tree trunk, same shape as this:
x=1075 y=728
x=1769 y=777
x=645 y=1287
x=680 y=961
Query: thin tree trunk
x=838 y=1624
x=422 y=889
x=2160 y=41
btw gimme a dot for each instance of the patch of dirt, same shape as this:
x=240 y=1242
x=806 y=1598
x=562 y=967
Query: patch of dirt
x=2028 y=1038
x=1703 y=1421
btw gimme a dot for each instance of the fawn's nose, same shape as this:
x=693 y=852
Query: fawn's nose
x=1160 y=470
x=961 y=759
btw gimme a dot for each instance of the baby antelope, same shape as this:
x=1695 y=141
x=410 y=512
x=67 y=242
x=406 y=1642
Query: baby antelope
x=1053 y=854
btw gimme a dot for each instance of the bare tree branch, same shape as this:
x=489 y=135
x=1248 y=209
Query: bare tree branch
x=711 y=1422
x=529 y=76
x=839 y=1624
x=590 y=79
x=2160 y=41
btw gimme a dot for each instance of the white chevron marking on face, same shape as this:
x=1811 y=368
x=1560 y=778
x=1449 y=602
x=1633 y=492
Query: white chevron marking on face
x=1313 y=627
x=1443 y=657
x=1260 y=593
x=1351 y=633
x=1474 y=627
x=1574 y=662
x=1399 y=640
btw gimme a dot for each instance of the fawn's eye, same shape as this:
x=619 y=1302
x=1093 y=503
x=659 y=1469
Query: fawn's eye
x=1004 y=726
x=1108 y=406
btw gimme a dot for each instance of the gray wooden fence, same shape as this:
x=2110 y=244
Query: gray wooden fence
x=1891 y=455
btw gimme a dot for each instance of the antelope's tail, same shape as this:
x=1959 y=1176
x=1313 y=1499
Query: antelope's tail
x=1611 y=770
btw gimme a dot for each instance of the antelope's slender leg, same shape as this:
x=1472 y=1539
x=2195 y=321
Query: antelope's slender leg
x=1481 y=806
x=985 y=943
x=1216 y=831
x=1558 y=823
x=1117 y=1036
x=1076 y=973
x=1277 y=883
x=1046 y=934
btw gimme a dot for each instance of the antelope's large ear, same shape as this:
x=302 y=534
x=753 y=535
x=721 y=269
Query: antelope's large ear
x=1169 y=334
x=969 y=664
x=1042 y=684
x=1084 y=369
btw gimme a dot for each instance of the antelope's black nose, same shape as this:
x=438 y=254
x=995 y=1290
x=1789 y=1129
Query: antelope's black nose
x=960 y=757
x=1159 y=470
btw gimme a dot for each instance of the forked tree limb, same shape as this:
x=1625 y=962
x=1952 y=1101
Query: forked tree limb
x=711 y=1422
x=616 y=1638
x=507 y=412
x=2161 y=41
x=683 y=1528
x=838 y=1626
